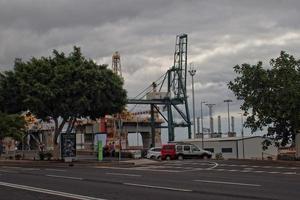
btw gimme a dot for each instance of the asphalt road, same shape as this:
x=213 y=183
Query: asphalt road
x=188 y=179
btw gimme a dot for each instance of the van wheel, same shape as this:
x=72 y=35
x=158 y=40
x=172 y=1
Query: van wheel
x=205 y=157
x=180 y=157
x=152 y=157
x=159 y=158
x=168 y=158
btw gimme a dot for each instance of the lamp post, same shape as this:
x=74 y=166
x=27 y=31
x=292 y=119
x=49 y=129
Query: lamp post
x=192 y=72
x=202 y=128
x=228 y=101
x=242 y=132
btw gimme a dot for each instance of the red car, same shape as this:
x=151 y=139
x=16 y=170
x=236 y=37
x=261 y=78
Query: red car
x=168 y=152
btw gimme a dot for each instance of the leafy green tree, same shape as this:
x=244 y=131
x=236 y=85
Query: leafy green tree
x=62 y=87
x=12 y=125
x=271 y=97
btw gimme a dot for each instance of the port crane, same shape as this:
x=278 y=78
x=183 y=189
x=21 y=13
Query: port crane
x=169 y=91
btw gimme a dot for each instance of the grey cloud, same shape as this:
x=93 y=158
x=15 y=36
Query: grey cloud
x=221 y=35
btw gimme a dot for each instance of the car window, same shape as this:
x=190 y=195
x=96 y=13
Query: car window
x=157 y=149
x=186 y=148
x=179 y=148
x=195 y=148
x=168 y=147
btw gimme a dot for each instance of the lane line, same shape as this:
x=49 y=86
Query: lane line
x=158 y=187
x=120 y=174
x=140 y=169
x=7 y=171
x=215 y=165
x=46 y=191
x=56 y=170
x=228 y=183
x=65 y=177
x=290 y=173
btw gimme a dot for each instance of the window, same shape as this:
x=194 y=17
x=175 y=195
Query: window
x=186 y=148
x=226 y=150
x=212 y=150
x=179 y=148
x=157 y=149
x=195 y=148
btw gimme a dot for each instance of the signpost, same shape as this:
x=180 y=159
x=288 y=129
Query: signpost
x=100 y=151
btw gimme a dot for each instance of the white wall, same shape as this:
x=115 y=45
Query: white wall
x=253 y=148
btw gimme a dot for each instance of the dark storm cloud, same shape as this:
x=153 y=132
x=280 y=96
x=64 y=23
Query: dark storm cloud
x=221 y=35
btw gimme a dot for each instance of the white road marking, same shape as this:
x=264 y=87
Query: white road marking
x=120 y=174
x=141 y=169
x=46 y=191
x=215 y=165
x=228 y=183
x=12 y=167
x=7 y=171
x=158 y=187
x=65 y=177
x=56 y=170
x=289 y=173
x=233 y=170
x=273 y=172
x=279 y=167
x=246 y=171
x=31 y=169
x=259 y=171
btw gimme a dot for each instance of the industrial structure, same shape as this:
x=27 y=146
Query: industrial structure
x=171 y=94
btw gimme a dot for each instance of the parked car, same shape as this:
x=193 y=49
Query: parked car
x=168 y=152
x=184 y=150
x=154 y=153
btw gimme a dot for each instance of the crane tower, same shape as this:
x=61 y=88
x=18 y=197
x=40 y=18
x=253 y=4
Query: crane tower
x=116 y=63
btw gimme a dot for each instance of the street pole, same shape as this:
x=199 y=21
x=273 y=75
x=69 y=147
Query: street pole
x=242 y=132
x=202 y=128
x=192 y=73
x=228 y=101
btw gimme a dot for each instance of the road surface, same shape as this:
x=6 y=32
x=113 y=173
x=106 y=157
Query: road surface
x=187 y=179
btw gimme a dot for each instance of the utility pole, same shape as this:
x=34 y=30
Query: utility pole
x=198 y=125
x=242 y=132
x=202 y=128
x=210 y=106
x=228 y=101
x=192 y=72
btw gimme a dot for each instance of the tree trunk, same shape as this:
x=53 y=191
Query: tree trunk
x=56 y=151
x=56 y=144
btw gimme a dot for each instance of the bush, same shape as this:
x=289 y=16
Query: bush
x=48 y=155
x=42 y=155
x=18 y=156
x=286 y=157
x=45 y=155
x=219 y=156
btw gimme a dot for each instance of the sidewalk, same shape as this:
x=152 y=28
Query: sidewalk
x=78 y=163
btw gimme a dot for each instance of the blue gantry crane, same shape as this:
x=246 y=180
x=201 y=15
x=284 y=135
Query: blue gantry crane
x=169 y=91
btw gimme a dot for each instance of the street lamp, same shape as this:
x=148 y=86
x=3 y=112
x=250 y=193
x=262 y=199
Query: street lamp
x=242 y=132
x=192 y=72
x=202 y=128
x=228 y=101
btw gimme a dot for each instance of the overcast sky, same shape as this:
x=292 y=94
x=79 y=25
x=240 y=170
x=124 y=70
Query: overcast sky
x=222 y=33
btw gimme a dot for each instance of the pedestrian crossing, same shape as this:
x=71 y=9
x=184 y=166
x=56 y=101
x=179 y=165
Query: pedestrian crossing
x=191 y=165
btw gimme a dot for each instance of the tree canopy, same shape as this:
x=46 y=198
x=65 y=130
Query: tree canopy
x=271 y=96
x=63 y=86
x=12 y=125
